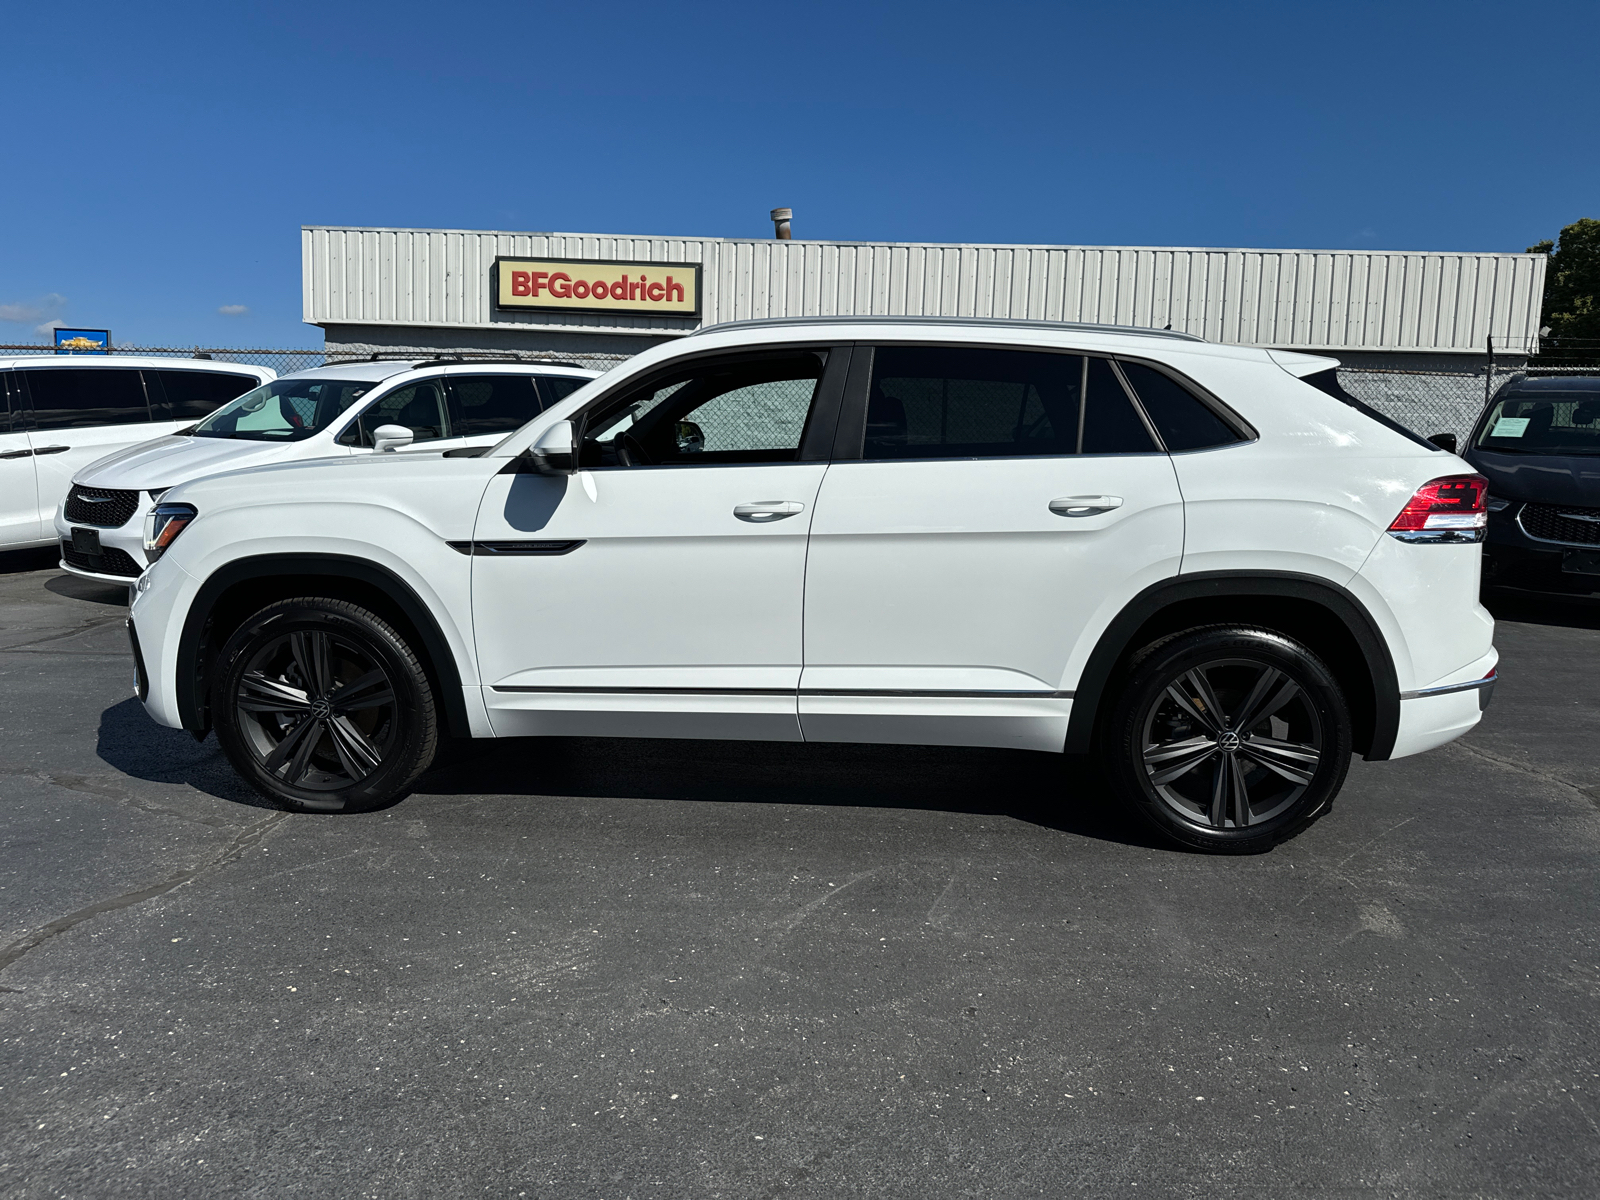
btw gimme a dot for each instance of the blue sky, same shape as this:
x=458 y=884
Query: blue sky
x=164 y=156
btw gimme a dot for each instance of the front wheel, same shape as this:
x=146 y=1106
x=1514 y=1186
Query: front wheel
x=322 y=706
x=1228 y=739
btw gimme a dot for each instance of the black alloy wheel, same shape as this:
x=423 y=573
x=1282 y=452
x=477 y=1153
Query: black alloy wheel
x=1229 y=739
x=322 y=706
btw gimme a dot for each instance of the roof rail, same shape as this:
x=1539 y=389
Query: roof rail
x=446 y=360
x=985 y=322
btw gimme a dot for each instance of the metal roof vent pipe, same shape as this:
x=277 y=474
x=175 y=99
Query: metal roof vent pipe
x=780 y=223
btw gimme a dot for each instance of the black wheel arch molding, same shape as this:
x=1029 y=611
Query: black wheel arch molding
x=1378 y=722
x=199 y=641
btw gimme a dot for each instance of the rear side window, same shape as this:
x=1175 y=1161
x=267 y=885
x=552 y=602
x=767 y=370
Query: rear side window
x=70 y=397
x=491 y=403
x=946 y=402
x=9 y=408
x=191 y=395
x=558 y=387
x=1184 y=421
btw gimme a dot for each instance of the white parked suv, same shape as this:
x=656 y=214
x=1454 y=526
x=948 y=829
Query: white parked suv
x=58 y=413
x=355 y=409
x=1179 y=555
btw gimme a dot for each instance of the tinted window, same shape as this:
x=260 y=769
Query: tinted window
x=1544 y=422
x=751 y=410
x=8 y=406
x=1111 y=424
x=558 y=387
x=67 y=398
x=491 y=403
x=935 y=402
x=191 y=395
x=290 y=409
x=1182 y=419
x=418 y=406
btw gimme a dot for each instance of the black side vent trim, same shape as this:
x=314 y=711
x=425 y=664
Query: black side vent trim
x=497 y=549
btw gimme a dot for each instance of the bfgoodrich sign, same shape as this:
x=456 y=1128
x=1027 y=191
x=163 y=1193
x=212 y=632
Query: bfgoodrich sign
x=584 y=285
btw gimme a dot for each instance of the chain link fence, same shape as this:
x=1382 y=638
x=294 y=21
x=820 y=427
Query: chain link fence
x=285 y=361
x=1442 y=401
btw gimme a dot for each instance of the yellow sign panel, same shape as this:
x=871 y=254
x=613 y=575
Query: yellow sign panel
x=670 y=289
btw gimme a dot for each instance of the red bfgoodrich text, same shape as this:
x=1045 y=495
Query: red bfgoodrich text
x=563 y=287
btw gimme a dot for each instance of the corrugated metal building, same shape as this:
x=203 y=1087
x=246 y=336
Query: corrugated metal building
x=437 y=289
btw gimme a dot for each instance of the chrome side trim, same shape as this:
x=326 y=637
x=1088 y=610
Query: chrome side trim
x=685 y=691
x=1470 y=685
x=961 y=695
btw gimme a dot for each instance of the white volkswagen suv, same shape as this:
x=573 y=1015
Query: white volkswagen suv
x=354 y=409
x=1179 y=555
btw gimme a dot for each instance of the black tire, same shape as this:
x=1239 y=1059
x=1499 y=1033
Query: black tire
x=321 y=706
x=1278 y=754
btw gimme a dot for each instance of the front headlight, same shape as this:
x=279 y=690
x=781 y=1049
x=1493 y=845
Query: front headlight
x=163 y=525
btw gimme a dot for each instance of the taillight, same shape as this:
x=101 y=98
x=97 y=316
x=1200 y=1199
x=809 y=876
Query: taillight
x=1452 y=509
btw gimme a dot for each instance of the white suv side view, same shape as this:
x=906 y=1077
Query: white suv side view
x=1178 y=555
x=60 y=413
x=354 y=409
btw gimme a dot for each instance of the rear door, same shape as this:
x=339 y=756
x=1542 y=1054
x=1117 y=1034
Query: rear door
x=984 y=508
x=19 y=498
x=80 y=414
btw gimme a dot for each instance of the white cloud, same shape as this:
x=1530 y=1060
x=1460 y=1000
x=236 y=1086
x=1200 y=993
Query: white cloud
x=27 y=312
x=234 y=310
x=49 y=326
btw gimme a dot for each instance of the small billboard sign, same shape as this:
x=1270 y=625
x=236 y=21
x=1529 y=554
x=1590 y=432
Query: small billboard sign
x=83 y=341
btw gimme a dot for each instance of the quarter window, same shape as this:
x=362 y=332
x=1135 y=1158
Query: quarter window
x=750 y=410
x=1183 y=419
x=69 y=397
x=558 y=387
x=941 y=402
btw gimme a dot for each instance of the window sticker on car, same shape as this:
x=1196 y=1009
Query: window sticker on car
x=1510 y=427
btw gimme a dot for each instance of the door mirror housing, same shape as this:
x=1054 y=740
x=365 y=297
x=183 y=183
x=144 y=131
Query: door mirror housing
x=391 y=437
x=553 y=452
x=1445 y=441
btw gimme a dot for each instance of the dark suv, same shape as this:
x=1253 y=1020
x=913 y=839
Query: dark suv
x=1539 y=444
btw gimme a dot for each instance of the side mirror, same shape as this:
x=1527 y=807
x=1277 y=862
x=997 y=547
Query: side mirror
x=691 y=438
x=391 y=437
x=1445 y=441
x=553 y=453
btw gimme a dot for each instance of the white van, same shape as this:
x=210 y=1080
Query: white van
x=438 y=405
x=58 y=414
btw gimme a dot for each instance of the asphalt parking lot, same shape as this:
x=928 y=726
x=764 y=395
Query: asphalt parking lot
x=659 y=969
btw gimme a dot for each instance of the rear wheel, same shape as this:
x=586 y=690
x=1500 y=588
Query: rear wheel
x=1228 y=739
x=322 y=706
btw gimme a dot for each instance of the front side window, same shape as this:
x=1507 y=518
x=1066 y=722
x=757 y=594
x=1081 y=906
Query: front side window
x=193 y=395
x=285 y=410
x=1544 y=422
x=418 y=406
x=944 y=402
x=747 y=410
x=492 y=403
x=1184 y=421
x=73 y=397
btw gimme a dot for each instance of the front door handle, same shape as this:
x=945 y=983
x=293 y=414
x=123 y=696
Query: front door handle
x=1084 y=506
x=763 y=511
x=51 y=449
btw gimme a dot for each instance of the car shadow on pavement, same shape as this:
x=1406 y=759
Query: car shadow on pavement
x=1543 y=608
x=135 y=745
x=1060 y=792
x=90 y=590
x=16 y=562
x=1065 y=793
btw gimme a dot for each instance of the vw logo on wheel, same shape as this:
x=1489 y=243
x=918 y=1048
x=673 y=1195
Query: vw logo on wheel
x=1228 y=742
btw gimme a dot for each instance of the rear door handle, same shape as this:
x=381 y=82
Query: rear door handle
x=763 y=511
x=15 y=453
x=51 y=449
x=1084 y=506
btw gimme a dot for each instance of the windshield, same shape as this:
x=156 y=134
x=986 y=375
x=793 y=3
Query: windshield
x=285 y=410
x=1566 y=422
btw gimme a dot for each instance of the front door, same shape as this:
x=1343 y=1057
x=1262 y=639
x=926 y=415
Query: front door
x=657 y=591
x=1001 y=502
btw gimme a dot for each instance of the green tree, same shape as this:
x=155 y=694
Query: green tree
x=1572 y=282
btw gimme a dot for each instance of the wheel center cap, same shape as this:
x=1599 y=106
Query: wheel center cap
x=322 y=710
x=1228 y=742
